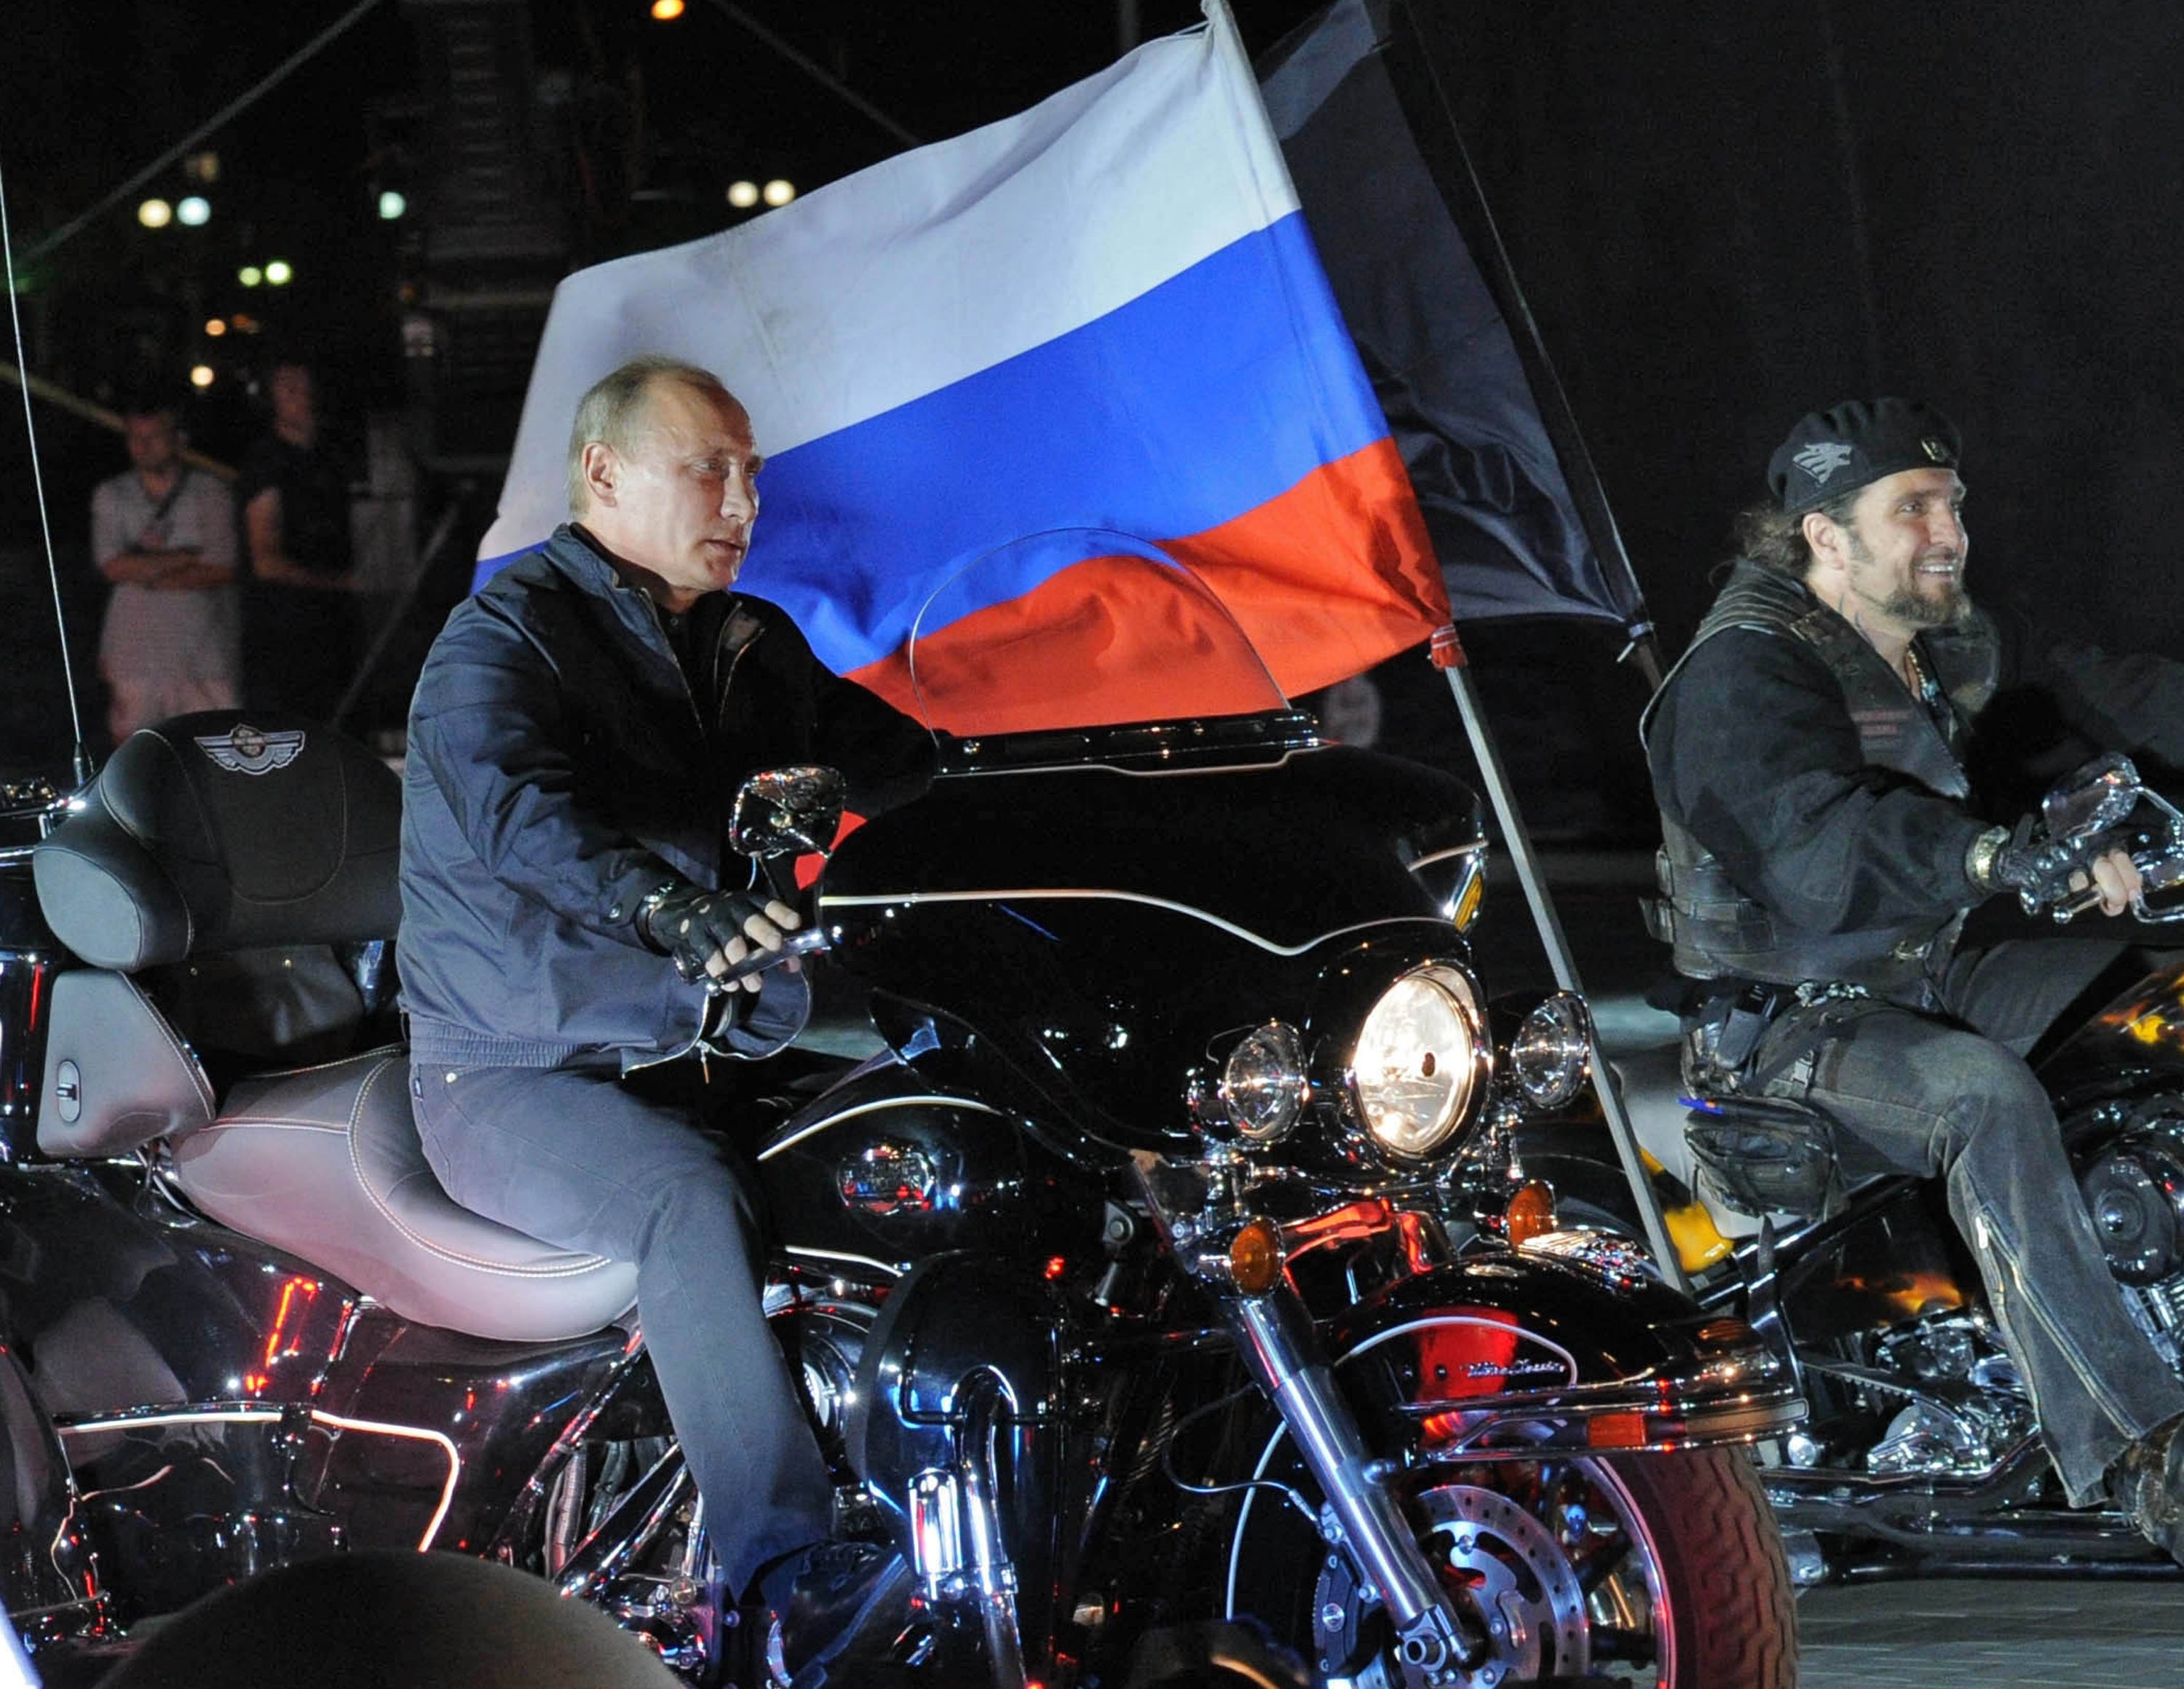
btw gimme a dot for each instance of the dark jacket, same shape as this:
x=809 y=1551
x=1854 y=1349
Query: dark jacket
x=1756 y=754
x=562 y=766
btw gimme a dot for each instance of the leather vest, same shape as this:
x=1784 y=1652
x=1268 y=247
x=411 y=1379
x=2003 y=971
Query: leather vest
x=1720 y=933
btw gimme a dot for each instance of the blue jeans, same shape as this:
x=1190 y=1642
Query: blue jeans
x=576 y=1159
x=1949 y=1095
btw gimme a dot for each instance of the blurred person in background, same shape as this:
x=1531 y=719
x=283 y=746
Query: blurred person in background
x=163 y=533
x=301 y=628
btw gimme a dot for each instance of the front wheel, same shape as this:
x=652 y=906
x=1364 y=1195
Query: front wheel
x=1660 y=1571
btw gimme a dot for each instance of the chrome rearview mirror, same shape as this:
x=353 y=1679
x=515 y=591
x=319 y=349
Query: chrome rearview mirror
x=793 y=811
x=2100 y=795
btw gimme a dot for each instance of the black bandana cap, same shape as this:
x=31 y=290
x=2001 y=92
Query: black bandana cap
x=1855 y=444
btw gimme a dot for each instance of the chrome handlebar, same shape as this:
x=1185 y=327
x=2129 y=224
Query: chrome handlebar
x=2092 y=826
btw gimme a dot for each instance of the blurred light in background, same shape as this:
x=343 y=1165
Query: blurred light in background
x=201 y=375
x=250 y=276
x=779 y=192
x=196 y=211
x=742 y=195
x=216 y=327
x=666 y=11
x=155 y=214
x=203 y=167
x=391 y=205
x=278 y=274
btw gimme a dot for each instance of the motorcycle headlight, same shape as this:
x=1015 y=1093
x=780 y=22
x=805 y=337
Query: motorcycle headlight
x=1551 y=1054
x=1263 y=1085
x=1420 y=1061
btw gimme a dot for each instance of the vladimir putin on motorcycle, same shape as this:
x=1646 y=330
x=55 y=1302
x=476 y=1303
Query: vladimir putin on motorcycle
x=578 y=733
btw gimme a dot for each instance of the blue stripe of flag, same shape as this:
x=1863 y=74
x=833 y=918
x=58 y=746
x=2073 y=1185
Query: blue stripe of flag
x=1193 y=404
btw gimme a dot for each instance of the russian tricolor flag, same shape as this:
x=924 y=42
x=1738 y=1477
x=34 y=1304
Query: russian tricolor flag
x=1105 y=314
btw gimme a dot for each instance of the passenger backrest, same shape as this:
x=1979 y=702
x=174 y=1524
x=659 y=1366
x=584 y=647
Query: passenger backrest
x=214 y=861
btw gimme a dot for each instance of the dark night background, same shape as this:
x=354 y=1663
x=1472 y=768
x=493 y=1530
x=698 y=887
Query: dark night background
x=1724 y=213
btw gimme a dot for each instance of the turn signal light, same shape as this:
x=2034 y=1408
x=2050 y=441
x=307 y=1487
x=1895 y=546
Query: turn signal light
x=1254 y=1258
x=1530 y=1212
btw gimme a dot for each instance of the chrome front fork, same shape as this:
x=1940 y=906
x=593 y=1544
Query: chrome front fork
x=1434 y=1643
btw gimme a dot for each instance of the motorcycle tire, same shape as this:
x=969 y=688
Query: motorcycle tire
x=1660 y=1571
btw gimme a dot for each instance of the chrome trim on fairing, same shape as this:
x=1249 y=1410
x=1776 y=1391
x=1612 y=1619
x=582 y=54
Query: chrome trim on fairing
x=891 y=1268
x=1170 y=747
x=253 y=1413
x=1470 y=847
x=935 y=1100
x=910 y=899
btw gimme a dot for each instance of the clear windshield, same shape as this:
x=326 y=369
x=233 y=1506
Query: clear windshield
x=1080 y=628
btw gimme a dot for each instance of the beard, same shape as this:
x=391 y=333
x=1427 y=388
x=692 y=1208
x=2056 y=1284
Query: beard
x=1910 y=606
x=1915 y=609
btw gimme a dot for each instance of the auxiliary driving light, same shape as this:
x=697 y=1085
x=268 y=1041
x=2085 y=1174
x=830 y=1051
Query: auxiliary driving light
x=1263 y=1086
x=1551 y=1054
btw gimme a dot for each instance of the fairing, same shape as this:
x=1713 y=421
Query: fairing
x=891 y=1167
x=1100 y=925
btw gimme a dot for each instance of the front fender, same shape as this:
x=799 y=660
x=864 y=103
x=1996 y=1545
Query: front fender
x=1525 y=1351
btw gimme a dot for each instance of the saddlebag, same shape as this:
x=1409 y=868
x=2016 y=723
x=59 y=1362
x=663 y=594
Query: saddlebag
x=1762 y=1156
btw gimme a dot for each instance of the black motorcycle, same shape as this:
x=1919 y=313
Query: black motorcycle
x=1159 y=1271
x=1922 y=1456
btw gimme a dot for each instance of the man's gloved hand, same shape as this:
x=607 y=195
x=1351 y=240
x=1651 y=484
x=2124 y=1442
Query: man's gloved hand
x=707 y=933
x=2043 y=872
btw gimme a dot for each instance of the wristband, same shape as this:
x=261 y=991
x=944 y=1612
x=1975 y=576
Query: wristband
x=1980 y=857
x=649 y=905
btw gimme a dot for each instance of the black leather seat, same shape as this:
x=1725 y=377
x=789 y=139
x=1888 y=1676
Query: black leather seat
x=269 y=840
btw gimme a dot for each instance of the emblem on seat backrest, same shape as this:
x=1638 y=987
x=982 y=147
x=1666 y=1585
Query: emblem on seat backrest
x=242 y=750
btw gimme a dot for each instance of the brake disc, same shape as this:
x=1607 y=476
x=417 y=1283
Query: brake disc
x=1516 y=1576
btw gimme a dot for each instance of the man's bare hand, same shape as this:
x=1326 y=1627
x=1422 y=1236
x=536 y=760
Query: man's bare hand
x=2115 y=877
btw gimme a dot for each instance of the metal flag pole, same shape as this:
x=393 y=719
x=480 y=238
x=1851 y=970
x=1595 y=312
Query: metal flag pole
x=1410 y=65
x=1448 y=656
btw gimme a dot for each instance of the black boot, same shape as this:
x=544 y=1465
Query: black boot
x=832 y=1611
x=2148 y=1480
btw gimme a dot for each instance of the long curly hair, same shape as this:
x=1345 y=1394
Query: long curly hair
x=1775 y=540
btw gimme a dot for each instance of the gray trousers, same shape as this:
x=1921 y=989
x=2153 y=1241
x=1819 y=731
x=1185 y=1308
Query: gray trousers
x=1949 y=1095
x=578 y=1160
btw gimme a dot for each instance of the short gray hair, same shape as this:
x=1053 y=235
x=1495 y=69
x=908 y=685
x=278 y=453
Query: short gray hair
x=614 y=410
